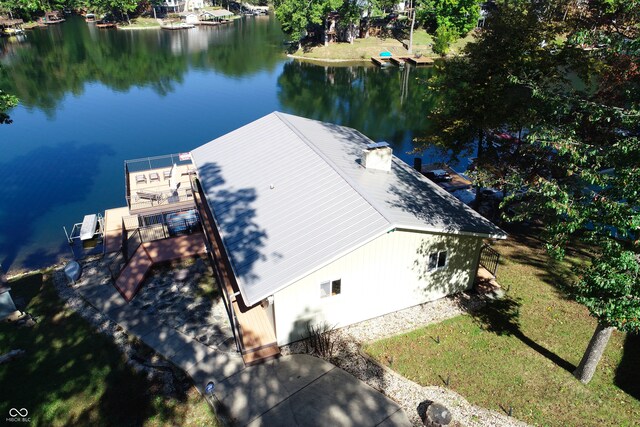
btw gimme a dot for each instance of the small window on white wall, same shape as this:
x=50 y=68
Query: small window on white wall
x=330 y=288
x=437 y=260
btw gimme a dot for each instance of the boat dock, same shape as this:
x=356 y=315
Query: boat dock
x=92 y=226
x=457 y=182
x=383 y=61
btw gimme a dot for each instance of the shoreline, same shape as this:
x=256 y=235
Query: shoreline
x=134 y=28
x=329 y=60
x=354 y=61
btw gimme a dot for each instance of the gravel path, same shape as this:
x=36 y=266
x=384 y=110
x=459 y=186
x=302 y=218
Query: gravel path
x=413 y=397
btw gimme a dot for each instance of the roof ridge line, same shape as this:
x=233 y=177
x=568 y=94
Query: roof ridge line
x=333 y=166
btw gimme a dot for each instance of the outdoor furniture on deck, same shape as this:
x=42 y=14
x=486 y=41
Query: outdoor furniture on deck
x=150 y=195
x=166 y=174
x=141 y=178
x=154 y=176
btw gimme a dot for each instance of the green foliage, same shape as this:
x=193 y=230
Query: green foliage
x=609 y=287
x=445 y=35
x=575 y=166
x=460 y=16
x=297 y=15
x=7 y=102
x=28 y=7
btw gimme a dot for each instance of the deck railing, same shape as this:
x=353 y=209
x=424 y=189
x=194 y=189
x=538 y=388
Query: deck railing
x=137 y=230
x=489 y=259
x=151 y=198
x=158 y=162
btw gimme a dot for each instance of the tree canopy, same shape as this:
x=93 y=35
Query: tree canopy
x=299 y=16
x=564 y=82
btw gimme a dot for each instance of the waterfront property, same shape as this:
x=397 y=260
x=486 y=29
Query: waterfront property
x=214 y=17
x=310 y=223
x=159 y=222
x=9 y=27
x=51 y=18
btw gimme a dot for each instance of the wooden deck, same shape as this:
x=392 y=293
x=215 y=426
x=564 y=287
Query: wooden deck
x=150 y=253
x=401 y=59
x=458 y=182
x=487 y=285
x=156 y=181
x=380 y=61
x=113 y=228
x=257 y=338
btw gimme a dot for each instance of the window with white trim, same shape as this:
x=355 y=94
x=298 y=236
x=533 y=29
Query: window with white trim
x=437 y=260
x=330 y=288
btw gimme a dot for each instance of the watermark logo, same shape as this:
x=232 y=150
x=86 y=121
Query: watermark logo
x=18 y=416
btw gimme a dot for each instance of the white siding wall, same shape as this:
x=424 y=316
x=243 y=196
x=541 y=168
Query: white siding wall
x=385 y=275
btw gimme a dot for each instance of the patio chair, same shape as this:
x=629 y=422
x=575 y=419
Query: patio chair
x=141 y=178
x=166 y=174
x=154 y=176
x=149 y=195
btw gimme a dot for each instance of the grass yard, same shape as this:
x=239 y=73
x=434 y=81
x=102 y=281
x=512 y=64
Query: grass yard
x=140 y=23
x=364 y=49
x=519 y=352
x=71 y=375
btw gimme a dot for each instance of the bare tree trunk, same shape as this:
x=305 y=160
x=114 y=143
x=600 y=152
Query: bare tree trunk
x=413 y=23
x=587 y=367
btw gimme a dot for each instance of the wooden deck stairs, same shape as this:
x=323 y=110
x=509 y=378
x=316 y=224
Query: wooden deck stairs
x=150 y=253
x=255 y=334
x=257 y=338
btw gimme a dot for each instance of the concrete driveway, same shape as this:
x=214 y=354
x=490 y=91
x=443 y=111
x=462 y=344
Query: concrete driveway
x=300 y=390
x=296 y=390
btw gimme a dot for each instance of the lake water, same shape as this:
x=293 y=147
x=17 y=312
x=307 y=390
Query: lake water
x=91 y=98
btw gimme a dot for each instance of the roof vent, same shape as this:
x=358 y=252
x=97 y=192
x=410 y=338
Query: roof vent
x=377 y=155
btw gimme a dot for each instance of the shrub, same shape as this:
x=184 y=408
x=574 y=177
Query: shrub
x=321 y=341
x=445 y=35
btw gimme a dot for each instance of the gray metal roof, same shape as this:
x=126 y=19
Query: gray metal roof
x=289 y=196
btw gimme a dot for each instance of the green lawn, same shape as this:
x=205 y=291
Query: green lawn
x=519 y=352
x=71 y=375
x=140 y=23
x=364 y=49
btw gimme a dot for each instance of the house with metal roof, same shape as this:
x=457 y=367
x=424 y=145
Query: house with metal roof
x=309 y=222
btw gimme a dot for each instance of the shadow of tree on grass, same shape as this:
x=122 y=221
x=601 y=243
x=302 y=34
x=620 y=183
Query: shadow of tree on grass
x=71 y=375
x=627 y=374
x=502 y=317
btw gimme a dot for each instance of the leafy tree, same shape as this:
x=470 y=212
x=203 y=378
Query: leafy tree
x=445 y=35
x=350 y=12
x=575 y=166
x=297 y=15
x=475 y=92
x=460 y=16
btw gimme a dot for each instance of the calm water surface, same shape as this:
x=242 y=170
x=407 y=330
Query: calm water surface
x=92 y=98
